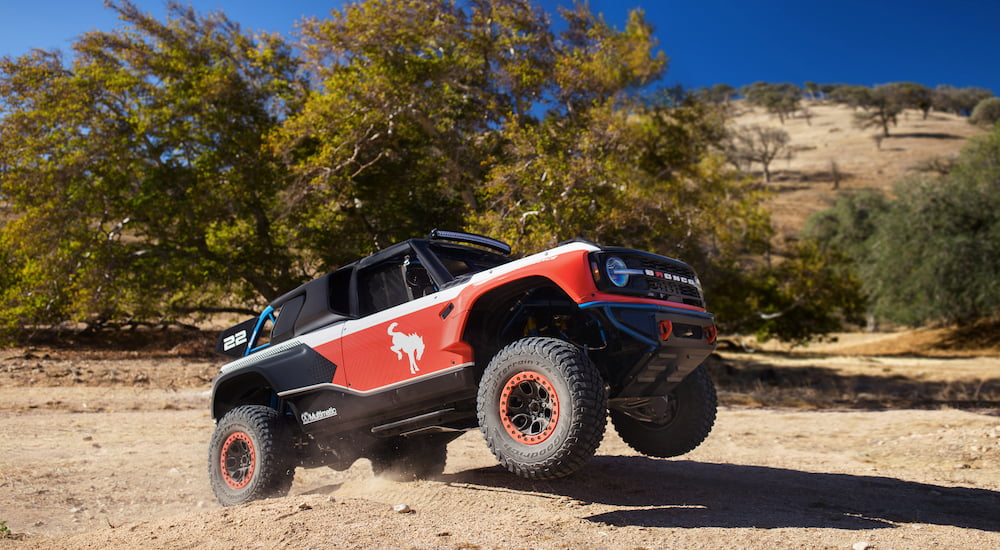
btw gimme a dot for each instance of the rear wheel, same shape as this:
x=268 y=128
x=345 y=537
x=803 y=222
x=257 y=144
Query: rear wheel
x=680 y=426
x=248 y=456
x=542 y=408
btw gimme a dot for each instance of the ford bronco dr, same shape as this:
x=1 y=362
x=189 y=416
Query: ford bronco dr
x=395 y=355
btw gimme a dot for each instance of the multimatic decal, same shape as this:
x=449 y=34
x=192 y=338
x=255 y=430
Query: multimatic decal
x=310 y=417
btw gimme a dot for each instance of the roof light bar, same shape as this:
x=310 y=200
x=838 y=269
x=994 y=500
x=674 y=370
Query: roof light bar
x=461 y=237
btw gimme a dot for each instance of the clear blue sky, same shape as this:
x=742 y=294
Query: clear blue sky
x=737 y=42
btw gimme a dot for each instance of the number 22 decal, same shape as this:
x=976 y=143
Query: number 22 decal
x=234 y=340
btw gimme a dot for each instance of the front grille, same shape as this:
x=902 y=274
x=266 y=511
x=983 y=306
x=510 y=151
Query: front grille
x=662 y=279
x=671 y=281
x=672 y=288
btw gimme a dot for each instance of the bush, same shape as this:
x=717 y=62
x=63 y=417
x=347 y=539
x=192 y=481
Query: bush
x=986 y=113
x=935 y=255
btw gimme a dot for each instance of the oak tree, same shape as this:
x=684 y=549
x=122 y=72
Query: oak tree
x=136 y=175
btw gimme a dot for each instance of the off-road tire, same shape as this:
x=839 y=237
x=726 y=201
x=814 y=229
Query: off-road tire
x=249 y=456
x=410 y=459
x=542 y=408
x=693 y=406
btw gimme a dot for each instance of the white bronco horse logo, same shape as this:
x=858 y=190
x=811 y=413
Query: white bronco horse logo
x=410 y=344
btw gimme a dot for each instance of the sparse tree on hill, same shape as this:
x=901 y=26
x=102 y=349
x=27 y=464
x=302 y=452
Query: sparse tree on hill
x=757 y=144
x=913 y=96
x=778 y=99
x=959 y=101
x=881 y=107
x=813 y=90
x=851 y=95
x=807 y=115
x=827 y=89
x=718 y=94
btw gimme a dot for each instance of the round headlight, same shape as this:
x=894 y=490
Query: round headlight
x=617 y=270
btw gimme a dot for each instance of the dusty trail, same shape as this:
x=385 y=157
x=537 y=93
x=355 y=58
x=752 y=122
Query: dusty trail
x=114 y=465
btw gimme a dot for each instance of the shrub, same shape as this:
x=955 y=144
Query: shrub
x=986 y=113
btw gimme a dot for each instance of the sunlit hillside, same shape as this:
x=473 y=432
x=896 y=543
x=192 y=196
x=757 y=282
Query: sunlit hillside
x=804 y=184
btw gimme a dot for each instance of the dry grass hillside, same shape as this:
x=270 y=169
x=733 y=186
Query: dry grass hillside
x=804 y=184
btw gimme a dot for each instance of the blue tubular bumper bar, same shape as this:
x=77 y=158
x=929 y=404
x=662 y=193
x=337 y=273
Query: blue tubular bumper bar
x=645 y=338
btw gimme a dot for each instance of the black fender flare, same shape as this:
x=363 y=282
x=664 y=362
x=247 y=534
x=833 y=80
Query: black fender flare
x=259 y=378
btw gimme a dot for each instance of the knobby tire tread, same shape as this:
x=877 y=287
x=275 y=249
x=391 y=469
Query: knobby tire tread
x=699 y=406
x=274 y=471
x=588 y=413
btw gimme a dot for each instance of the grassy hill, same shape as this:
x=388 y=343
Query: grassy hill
x=804 y=184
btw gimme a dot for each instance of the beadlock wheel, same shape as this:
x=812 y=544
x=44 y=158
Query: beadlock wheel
x=250 y=455
x=542 y=408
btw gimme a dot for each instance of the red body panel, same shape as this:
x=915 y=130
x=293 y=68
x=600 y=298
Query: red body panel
x=411 y=346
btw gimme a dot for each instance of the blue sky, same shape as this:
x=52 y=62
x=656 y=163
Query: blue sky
x=864 y=42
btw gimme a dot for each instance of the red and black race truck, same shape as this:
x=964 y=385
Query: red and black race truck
x=395 y=355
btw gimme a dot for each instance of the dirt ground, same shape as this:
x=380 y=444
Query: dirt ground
x=108 y=450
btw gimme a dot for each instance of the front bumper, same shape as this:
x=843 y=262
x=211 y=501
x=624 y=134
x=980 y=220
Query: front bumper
x=661 y=345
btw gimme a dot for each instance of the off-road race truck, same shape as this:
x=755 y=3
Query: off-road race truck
x=395 y=355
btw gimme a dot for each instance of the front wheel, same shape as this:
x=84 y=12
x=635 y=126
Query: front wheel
x=249 y=456
x=542 y=408
x=686 y=421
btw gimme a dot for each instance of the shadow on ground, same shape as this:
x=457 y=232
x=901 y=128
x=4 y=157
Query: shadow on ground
x=686 y=494
x=926 y=135
x=754 y=380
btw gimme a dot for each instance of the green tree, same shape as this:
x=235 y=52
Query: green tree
x=718 y=93
x=811 y=291
x=779 y=99
x=880 y=108
x=911 y=95
x=641 y=178
x=812 y=89
x=929 y=255
x=849 y=224
x=934 y=252
x=827 y=89
x=136 y=175
x=408 y=101
x=851 y=95
x=180 y=164
x=959 y=101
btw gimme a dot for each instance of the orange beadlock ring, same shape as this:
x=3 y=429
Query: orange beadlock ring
x=529 y=408
x=238 y=467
